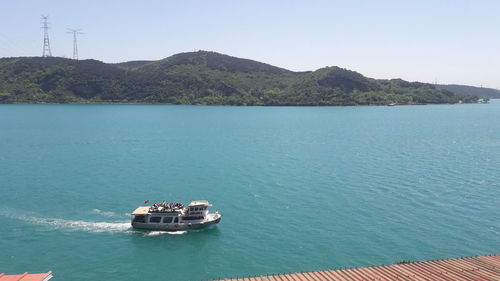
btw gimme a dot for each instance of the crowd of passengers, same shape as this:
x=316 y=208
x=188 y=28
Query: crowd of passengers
x=165 y=207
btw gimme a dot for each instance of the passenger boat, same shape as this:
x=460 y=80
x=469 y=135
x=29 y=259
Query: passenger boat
x=174 y=216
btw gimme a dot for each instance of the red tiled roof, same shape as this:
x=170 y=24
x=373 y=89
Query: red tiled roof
x=26 y=277
x=483 y=268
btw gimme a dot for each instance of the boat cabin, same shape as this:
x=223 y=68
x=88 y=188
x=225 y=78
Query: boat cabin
x=197 y=210
x=171 y=213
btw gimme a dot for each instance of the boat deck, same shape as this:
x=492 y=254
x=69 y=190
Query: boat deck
x=143 y=210
x=484 y=268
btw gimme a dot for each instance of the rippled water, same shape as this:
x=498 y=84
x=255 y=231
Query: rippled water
x=301 y=188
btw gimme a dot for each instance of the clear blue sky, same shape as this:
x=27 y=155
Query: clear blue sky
x=451 y=41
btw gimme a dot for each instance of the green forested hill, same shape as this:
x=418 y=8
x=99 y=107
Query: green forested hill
x=132 y=64
x=472 y=91
x=202 y=78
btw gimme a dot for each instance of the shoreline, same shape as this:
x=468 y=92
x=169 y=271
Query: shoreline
x=229 y=105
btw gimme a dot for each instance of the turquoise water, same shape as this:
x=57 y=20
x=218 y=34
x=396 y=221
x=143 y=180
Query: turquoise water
x=301 y=188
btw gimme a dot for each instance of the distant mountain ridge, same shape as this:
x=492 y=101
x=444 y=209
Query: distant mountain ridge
x=202 y=77
x=471 y=90
x=213 y=61
x=133 y=63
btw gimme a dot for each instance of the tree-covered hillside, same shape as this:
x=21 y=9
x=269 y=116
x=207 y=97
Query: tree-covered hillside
x=472 y=91
x=202 y=78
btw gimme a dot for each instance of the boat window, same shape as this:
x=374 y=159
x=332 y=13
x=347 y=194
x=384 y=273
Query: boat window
x=154 y=219
x=192 y=218
x=139 y=218
x=176 y=220
x=167 y=219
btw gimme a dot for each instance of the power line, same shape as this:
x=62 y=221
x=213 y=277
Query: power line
x=75 y=45
x=46 y=43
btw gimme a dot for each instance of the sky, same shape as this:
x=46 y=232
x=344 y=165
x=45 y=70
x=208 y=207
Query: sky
x=448 y=42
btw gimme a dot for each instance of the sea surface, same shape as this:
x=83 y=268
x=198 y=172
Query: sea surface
x=300 y=188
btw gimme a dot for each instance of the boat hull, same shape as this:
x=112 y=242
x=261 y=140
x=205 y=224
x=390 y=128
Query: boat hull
x=214 y=219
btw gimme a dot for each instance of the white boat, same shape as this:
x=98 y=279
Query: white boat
x=174 y=216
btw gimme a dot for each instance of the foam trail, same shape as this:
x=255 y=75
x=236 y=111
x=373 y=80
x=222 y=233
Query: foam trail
x=157 y=233
x=77 y=225
x=104 y=213
x=180 y=232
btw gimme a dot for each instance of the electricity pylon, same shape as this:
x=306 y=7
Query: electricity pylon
x=75 y=45
x=46 y=44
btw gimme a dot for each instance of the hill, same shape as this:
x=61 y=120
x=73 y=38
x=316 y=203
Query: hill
x=132 y=64
x=472 y=91
x=202 y=78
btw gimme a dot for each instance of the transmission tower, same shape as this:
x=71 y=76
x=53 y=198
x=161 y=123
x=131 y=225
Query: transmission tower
x=46 y=43
x=75 y=45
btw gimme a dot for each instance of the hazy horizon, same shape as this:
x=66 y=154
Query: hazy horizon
x=448 y=42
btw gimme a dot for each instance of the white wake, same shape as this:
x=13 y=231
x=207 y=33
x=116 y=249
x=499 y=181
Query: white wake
x=77 y=225
x=157 y=233
x=104 y=213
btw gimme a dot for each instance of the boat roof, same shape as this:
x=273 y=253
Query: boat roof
x=143 y=210
x=199 y=203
